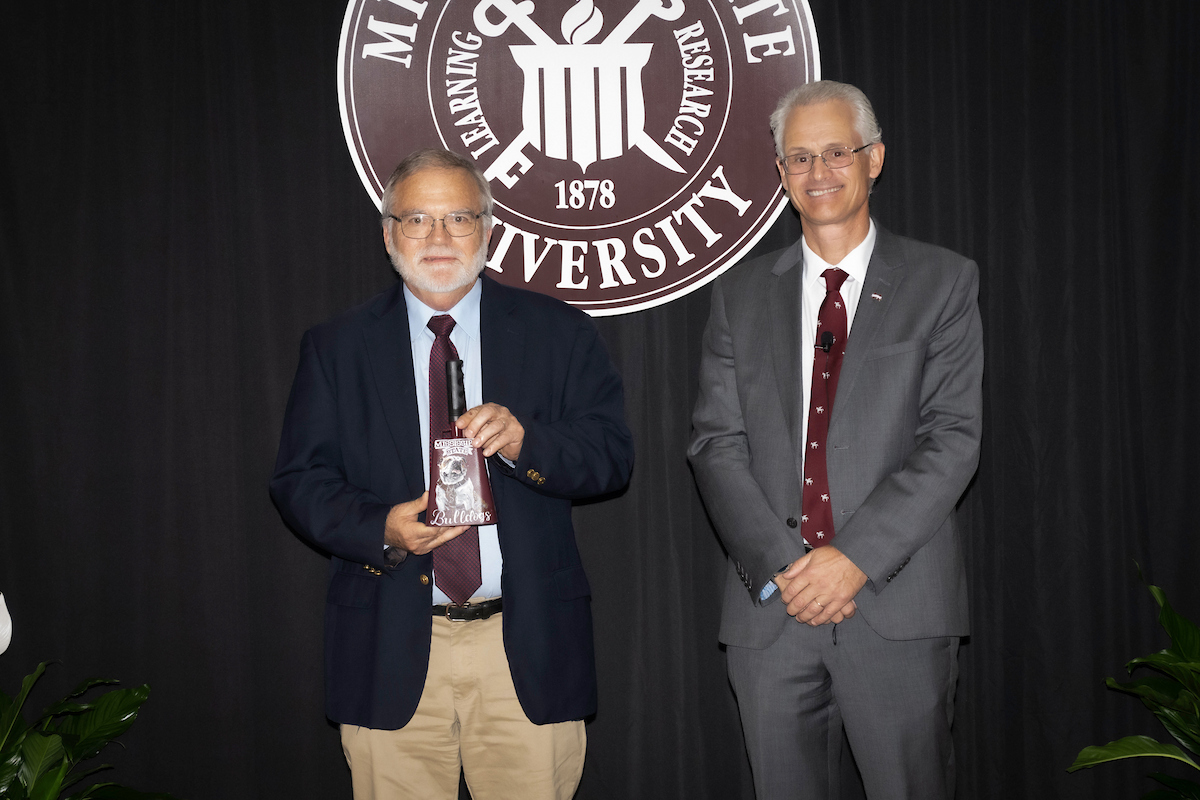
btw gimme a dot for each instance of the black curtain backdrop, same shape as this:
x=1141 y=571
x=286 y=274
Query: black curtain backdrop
x=177 y=205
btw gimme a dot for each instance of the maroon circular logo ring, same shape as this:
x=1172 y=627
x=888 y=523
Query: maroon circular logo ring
x=627 y=141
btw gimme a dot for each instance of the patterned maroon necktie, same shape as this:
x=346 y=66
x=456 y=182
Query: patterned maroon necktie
x=816 y=523
x=456 y=568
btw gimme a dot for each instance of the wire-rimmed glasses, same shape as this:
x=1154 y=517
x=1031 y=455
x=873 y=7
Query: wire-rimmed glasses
x=420 y=226
x=834 y=158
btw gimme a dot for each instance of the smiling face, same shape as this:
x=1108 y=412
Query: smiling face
x=831 y=202
x=441 y=269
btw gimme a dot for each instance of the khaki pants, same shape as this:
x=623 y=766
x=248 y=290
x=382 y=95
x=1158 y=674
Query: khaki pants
x=469 y=718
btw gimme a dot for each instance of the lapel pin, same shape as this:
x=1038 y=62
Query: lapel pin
x=876 y=297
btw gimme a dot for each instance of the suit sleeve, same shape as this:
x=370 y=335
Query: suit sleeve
x=581 y=447
x=719 y=452
x=309 y=485
x=910 y=505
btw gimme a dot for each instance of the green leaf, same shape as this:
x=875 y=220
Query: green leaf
x=1171 y=664
x=76 y=777
x=88 y=792
x=65 y=706
x=48 y=786
x=1174 y=706
x=1182 y=788
x=61 y=709
x=1129 y=747
x=41 y=754
x=15 y=739
x=10 y=768
x=110 y=716
x=1185 y=636
x=1162 y=691
x=1163 y=659
x=1182 y=727
x=8 y=720
x=91 y=682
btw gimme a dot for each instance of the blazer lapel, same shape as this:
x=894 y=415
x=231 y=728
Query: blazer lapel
x=502 y=344
x=785 y=305
x=390 y=352
x=885 y=271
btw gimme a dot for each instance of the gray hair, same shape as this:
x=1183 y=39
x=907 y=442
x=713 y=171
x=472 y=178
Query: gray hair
x=435 y=158
x=865 y=124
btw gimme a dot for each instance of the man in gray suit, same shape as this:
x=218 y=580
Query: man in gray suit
x=837 y=425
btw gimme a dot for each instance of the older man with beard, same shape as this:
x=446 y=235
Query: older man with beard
x=451 y=649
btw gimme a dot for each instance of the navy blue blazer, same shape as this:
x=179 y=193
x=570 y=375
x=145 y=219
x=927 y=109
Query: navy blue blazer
x=351 y=449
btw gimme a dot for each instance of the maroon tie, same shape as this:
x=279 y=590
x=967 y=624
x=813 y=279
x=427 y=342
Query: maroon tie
x=456 y=563
x=816 y=524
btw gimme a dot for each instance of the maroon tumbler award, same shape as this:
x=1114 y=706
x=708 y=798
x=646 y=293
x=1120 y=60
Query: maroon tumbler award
x=462 y=493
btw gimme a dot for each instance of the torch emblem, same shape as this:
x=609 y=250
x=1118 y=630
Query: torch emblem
x=571 y=109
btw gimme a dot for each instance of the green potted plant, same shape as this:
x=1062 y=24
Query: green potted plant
x=1172 y=693
x=44 y=759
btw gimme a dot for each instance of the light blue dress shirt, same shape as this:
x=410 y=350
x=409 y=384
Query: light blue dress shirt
x=465 y=337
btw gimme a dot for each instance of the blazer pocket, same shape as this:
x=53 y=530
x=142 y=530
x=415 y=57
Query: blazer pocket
x=894 y=349
x=355 y=591
x=572 y=583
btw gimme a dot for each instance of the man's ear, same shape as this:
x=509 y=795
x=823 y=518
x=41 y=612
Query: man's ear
x=387 y=235
x=876 y=160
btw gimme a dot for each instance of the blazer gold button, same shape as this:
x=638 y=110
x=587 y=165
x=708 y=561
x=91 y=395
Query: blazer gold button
x=424 y=580
x=541 y=481
x=791 y=522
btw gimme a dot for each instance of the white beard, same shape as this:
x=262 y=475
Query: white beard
x=464 y=275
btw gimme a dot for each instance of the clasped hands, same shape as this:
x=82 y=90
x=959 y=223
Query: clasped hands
x=493 y=429
x=820 y=586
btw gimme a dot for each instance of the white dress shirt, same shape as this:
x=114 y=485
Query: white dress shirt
x=813 y=294
x=855 y=266
x=465 y=337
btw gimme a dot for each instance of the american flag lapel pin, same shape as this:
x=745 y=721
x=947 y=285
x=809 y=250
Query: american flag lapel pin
x=876 y=296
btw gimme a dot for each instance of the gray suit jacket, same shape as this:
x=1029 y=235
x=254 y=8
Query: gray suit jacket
x=903 y=437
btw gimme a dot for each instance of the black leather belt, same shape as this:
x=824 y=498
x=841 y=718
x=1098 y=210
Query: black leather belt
x=470 y=611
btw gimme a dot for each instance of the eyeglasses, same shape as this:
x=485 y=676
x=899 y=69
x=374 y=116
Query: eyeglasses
x=834 y=158
x=420 y=226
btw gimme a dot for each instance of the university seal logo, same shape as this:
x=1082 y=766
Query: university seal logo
x=626 y=143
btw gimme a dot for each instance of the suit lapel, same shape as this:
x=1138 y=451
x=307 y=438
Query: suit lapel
x=502 y=350
x=885 y=271
x=502 y=344
x=785 y=305
x=390 y=354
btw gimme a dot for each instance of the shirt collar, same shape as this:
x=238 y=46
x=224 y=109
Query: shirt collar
x=465 y=313
x=854 y=264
